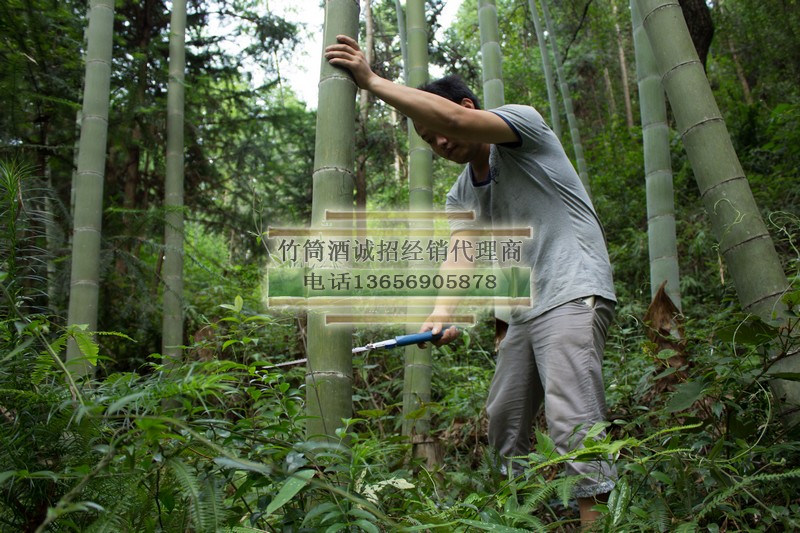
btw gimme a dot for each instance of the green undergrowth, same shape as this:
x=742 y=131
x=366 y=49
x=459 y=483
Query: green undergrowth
x=218 y=443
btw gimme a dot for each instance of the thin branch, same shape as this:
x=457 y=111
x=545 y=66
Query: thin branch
x=577 y=30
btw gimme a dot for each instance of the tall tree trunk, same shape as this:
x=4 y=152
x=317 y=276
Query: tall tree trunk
x=88 y=216
x=574 y=131
x=552 y=94
x=329 y=379
x=53 y=236
x=418 y=369
x=623 y=68
x=740 y=75
x=172 y=323
x=657 y=168
x=744 y=241
x=363 y=113
x=135 y=150
x=54 y=242
x=612 y=100
x=491 y=55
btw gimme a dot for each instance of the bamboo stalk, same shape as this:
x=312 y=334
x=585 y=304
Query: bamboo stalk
x=574 y=130
x=552 y=95
x=329 y=379
x=417 y=371
x=491 y=55
x=88 y=213
x=663 y=247
x=172 y=321
x=744 y=242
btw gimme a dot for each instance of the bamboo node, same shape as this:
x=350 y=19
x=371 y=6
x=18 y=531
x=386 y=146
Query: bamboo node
x=743 y=242
x=701 y=123
x=329 y=373
x=720 y=184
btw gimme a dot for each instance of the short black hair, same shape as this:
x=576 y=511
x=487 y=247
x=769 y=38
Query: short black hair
x=451 y=87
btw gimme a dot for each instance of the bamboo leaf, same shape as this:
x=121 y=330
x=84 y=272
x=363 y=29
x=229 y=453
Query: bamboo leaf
x=662 y=477
x=240 y=464
x=290 y=488
x=367 y=526
x=229 y=342
x=21 y=347
x=373 y=413
x=668 y=372
x=5 y=476
x=122 y=402
x=318 y=510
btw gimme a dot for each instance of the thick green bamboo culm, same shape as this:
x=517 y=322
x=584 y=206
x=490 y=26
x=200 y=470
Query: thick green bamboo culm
x=552 y=94
x=491 y=55
x=572 y=121
x=172 y=321
x=418 y=370
x=329 y=377
x=493 y=87
x=88 y=212
x=744 y=242
x=662 y=241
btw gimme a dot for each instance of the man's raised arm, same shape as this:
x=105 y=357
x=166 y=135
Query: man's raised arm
x=424 y=108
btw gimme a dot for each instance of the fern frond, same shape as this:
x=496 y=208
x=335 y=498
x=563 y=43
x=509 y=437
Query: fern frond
x=526 y=520
x=722 y=495
x=543 y=493
x=121 y=493
x=42 y=367
x=207 y=512
x=565 y=488
x=659 y=516
x=212 y=510
x=190 y=487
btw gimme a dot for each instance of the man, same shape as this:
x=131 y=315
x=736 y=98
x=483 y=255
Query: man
x=517 y=174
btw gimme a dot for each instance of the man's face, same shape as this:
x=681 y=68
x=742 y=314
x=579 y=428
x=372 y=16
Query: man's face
x=457 y=151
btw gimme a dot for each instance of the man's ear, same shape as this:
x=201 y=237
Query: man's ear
x=468 y=103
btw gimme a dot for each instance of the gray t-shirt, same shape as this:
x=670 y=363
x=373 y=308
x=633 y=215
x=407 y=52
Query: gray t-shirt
x=533 y=184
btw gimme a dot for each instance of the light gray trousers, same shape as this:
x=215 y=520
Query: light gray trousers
x=555 y=358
